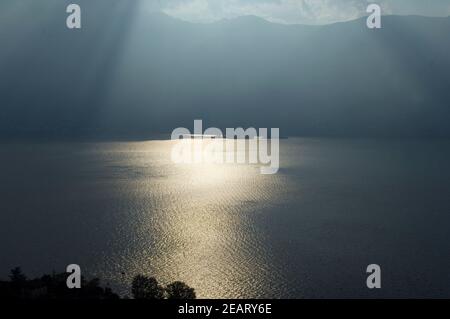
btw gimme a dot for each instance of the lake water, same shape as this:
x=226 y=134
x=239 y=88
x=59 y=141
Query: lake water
x=335 y=206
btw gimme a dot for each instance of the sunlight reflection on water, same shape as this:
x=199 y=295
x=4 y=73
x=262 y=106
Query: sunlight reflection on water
x=193 y=223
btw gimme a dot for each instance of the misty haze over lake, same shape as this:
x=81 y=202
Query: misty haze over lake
x=129 y=72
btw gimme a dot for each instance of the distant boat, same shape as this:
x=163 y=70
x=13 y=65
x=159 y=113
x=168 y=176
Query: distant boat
x=210 y=136
x=199 y=136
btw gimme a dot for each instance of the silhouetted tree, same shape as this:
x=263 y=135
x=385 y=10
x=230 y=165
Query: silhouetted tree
x=179 y=290
x=54 y=287
x=17 y=276
x=51 y=287
x=144 y=287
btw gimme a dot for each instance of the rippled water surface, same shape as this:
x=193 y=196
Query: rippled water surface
x=119 y=209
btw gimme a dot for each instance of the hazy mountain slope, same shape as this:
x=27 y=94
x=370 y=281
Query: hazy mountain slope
x=130 y=72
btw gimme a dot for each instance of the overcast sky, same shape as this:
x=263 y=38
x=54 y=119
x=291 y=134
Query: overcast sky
x=296 y=11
